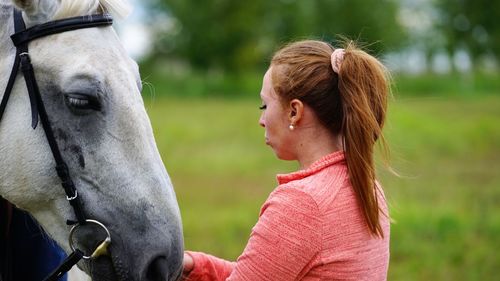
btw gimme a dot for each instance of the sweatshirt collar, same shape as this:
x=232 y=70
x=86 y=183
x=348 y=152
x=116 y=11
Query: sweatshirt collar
x=318 y=165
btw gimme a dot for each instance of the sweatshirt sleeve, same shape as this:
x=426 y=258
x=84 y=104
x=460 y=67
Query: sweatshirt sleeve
x=282 y=246
x=207 y=267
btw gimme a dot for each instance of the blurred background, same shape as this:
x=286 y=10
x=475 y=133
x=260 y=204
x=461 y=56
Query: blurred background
x=202 y=64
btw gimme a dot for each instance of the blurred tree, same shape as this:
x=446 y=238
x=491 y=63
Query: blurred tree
x=471 y=25
x=235 y=35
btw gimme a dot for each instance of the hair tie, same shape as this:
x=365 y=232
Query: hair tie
x=337 y=58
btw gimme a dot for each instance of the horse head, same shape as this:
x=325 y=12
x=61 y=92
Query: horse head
x=91 y=91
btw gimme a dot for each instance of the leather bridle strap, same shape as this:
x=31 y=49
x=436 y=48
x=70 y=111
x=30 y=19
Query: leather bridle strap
x=21 y=39
x=10 y=85
x=58 y=26
x=68 y=263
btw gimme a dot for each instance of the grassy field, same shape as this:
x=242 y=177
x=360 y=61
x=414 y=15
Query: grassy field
x=446 y=204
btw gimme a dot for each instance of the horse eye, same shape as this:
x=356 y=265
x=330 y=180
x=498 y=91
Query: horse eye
x=82 y=102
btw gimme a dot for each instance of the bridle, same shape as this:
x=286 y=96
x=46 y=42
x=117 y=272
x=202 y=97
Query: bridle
x=21 y=39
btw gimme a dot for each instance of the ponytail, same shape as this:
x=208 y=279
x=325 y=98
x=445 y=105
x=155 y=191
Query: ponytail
x=363 y=84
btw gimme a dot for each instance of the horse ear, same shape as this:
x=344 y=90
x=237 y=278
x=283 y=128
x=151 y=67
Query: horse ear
x=37 y=11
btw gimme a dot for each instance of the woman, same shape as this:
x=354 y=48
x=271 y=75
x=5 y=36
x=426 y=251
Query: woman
x=325 y=108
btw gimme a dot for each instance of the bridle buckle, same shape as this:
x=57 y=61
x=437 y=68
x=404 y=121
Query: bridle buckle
x=72 y=197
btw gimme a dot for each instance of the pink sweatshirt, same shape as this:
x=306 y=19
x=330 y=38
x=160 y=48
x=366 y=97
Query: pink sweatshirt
x=310 y=228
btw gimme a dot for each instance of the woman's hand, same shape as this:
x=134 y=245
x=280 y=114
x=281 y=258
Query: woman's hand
x=188 y=264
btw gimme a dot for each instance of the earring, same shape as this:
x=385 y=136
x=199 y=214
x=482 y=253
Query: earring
x=291 y=127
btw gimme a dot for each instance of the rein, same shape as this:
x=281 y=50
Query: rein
x=21 y=39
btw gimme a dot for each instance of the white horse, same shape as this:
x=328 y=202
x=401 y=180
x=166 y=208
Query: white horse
x=91 y=90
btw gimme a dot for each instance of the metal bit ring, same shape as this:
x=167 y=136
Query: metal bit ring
x=100 y=249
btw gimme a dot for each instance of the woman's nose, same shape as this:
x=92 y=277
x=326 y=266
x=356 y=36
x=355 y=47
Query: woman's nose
x=261 y=120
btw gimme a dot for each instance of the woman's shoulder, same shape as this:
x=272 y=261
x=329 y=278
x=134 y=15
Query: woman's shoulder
x=322 y=187
x=291 y=197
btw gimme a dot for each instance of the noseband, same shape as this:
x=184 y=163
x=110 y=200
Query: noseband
x=21 y=39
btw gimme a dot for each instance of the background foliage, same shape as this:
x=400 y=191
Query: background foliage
x=234 y=35
x=471 y=25
x=229 y=36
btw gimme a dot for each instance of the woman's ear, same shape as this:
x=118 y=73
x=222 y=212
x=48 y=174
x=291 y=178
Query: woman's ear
x=296 y=111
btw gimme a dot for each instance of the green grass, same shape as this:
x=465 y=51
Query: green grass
x=452 y=84
x=446 y=204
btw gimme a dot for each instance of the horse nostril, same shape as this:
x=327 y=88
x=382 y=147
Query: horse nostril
x=158 y=269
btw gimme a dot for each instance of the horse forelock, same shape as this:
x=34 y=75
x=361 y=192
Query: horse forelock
x=71 y=8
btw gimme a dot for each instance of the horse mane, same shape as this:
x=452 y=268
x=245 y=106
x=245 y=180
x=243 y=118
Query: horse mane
x=72 y=8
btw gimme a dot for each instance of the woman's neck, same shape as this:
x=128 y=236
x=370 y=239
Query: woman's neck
x=314 y=145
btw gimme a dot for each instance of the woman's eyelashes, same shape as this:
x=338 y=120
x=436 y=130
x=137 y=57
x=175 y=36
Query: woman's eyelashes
x=262 y=107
